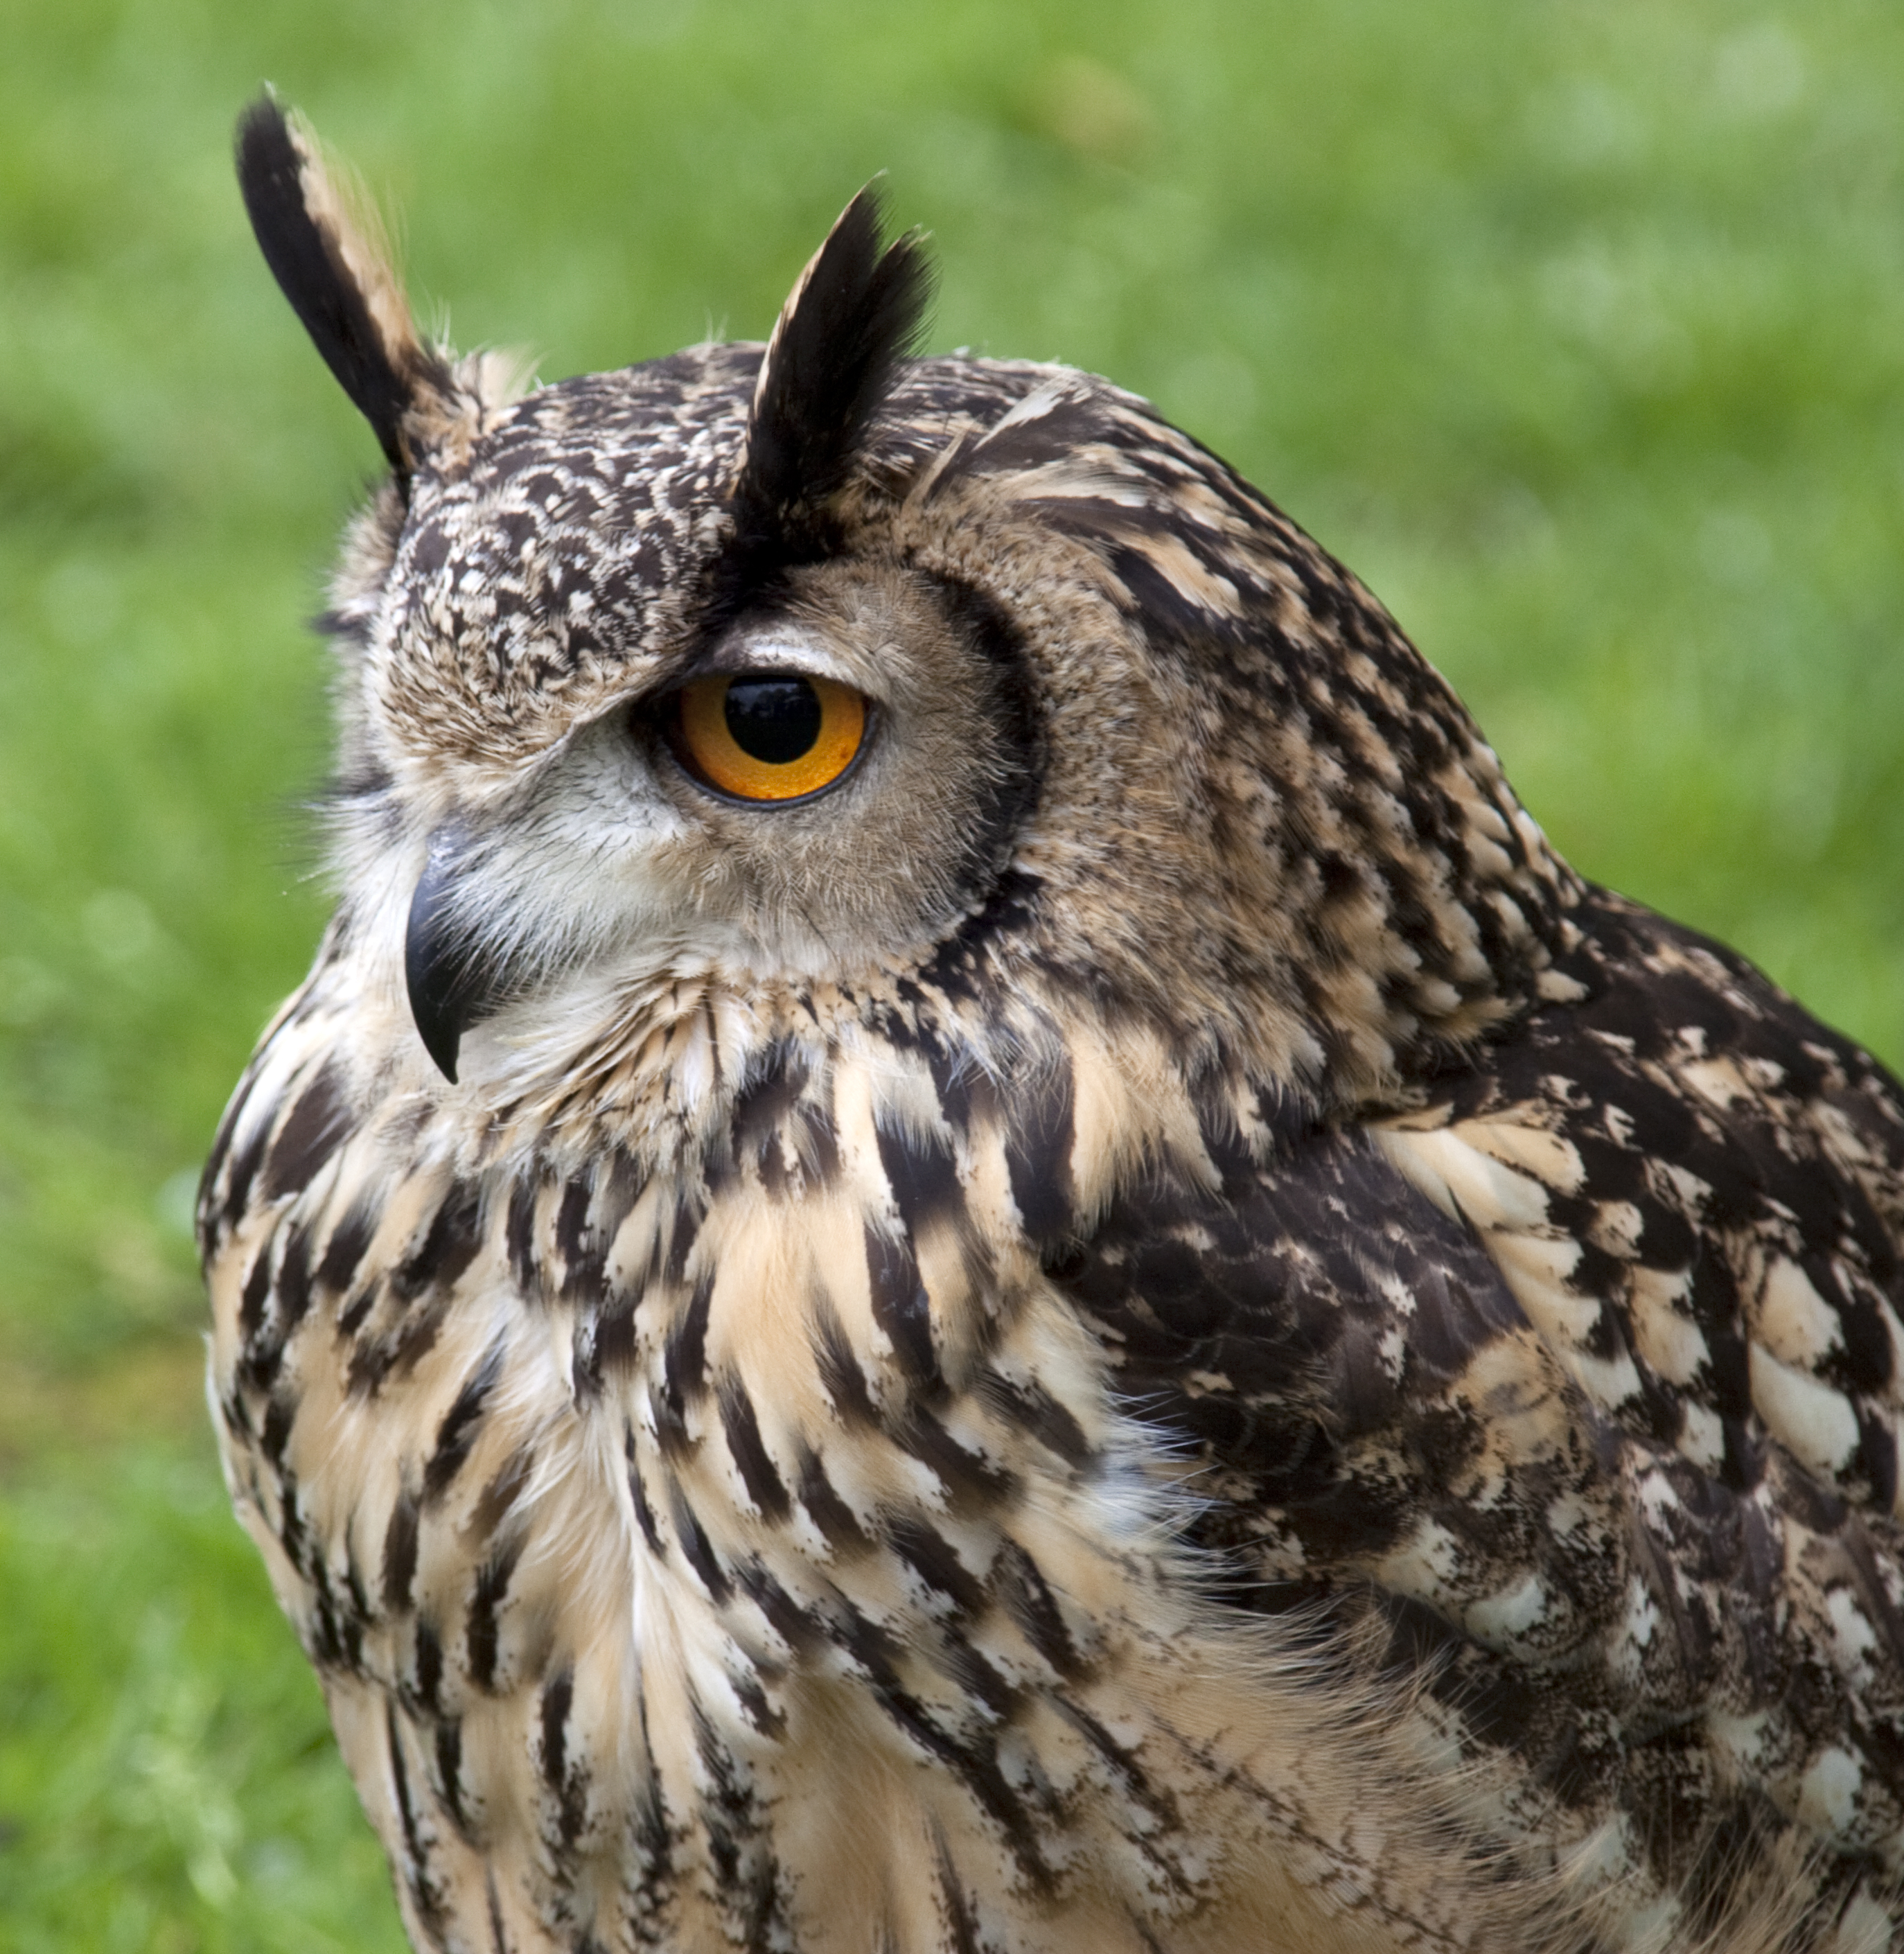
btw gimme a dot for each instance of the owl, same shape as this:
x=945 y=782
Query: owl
x=965 y=1243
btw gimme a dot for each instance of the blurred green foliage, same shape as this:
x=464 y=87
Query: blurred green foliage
x=166 y=1771
x=1577 y=328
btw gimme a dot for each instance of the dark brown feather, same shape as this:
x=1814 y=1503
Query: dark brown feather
x=852 y=318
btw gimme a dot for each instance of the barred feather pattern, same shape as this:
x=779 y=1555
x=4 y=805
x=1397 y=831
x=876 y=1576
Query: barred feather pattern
x=795 y=1457
x=844 y=1571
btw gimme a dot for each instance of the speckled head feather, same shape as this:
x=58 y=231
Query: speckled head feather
x=1135 y=1322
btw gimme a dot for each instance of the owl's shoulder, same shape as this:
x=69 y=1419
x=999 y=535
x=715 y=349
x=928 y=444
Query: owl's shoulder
x=1696 y=1191
x=1578 y=1384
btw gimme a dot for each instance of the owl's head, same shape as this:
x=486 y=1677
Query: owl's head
x=853 y=688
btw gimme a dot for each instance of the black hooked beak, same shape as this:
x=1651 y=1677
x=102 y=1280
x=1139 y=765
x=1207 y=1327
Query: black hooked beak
x=453 y=981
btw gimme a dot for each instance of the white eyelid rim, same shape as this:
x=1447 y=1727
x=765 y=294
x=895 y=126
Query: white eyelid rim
x=774 y=652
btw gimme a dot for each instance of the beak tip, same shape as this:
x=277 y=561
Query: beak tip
x=443 y=1054
x=449 y=983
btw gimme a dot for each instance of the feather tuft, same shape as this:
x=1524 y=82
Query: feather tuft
x=855 y=313
x=329 y=258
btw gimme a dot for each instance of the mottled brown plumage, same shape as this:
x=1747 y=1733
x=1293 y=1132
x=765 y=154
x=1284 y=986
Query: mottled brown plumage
x=1141 y=1325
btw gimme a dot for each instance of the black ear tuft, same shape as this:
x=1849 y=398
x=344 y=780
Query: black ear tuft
x=853 y=316
x=333 y=273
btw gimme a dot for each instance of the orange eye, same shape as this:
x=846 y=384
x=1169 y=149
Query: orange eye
x=769 y=735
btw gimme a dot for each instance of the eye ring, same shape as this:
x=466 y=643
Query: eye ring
x=768 y=738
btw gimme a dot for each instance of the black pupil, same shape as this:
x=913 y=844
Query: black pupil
x=773 y=719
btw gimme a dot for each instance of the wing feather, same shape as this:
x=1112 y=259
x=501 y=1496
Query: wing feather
x=1583 y=1378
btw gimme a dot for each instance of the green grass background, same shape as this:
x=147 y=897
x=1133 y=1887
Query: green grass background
x=1578 y=329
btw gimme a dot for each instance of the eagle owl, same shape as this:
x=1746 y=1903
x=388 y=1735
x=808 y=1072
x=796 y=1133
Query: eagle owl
x=964 y=1242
